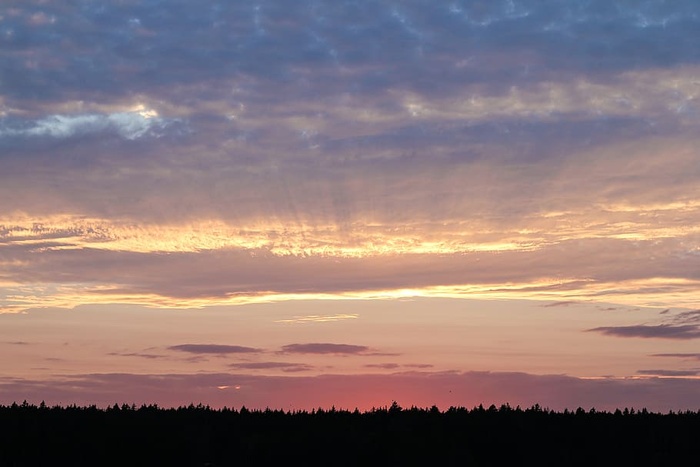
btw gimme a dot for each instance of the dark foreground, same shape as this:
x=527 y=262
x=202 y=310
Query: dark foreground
x=200 y=436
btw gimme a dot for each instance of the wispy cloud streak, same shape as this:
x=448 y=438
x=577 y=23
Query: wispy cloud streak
x=325 y=348
x=662 y=331
x=213 y=349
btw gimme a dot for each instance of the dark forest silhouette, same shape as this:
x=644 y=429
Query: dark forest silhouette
x=199 y=436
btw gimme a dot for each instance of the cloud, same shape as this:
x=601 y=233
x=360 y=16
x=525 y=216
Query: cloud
x=128 y=125
x=669 y=373
x=661 y=331
x=213 y=349
x=691 y=317
x=325 y=348
x=283 y=138
x=394 y=366
x=125 y=46
x=691 y=356
x=284 y=366
x=683 y=325
x=560 y=304
x=383 y=366
x=184 y=279
x=149 y=356
x=318 y=318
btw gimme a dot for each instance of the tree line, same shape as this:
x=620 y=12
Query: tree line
x=198 y=435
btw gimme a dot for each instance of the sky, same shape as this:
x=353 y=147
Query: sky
x=315 y=203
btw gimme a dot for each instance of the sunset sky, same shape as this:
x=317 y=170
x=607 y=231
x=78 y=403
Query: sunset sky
x=296 y=204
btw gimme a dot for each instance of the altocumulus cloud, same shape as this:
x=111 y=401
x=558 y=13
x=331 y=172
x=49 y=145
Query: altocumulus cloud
x=552 y=142
x=124 y=45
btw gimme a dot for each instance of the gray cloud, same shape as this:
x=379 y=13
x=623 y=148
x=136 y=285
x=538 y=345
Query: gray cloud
x=691 y=356
x=139 y=47
x=213 y=349
x=691 y=317
x=325 y=348
x=683 y=325
x=662 y=331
